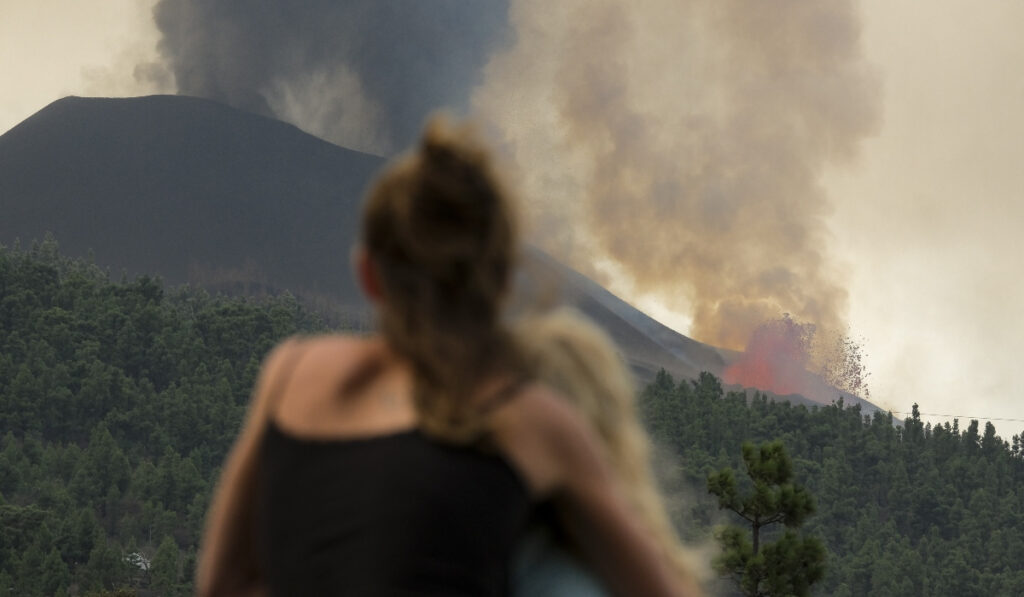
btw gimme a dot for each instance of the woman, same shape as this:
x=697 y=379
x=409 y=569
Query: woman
x=407 y=464
x=575 y=357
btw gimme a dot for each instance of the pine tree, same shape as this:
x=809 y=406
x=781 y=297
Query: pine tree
x=166 y=568
x=787 y=566
x=54 y=573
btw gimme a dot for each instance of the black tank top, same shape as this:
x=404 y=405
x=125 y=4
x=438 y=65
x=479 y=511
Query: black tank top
x=392 y=515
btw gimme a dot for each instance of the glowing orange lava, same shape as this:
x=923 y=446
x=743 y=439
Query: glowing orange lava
x=785 y=357
x=776 y=358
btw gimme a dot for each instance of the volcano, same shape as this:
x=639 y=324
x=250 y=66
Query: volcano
x=201 y=193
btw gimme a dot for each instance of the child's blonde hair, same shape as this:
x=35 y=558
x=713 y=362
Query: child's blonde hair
x=571 y=354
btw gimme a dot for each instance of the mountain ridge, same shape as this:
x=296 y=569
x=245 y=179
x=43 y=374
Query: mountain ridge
x=202 y=193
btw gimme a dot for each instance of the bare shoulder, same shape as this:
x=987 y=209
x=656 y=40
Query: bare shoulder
x=330 y=355
x=333 y=345
x=543 y=436
x=337 y=349
x=275 y=361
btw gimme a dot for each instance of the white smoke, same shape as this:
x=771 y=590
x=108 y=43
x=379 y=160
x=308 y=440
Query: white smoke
x=684 y=142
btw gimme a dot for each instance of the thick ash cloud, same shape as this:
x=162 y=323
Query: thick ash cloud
x=361 y=73
x=684 y=143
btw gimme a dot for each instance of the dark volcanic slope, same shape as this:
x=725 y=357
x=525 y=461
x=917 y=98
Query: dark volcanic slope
x=198 y=192
x=186 y=188
x=649 y=345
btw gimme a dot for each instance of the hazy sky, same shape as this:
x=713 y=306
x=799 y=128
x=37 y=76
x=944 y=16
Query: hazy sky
x=925 y=222
x=929 y=220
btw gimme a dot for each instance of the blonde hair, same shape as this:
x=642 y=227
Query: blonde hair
x=441 y=232
x=574 y=356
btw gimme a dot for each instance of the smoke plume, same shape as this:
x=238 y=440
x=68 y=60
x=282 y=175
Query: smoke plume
x=682 y=142
x=361 y=73
x=676 y=144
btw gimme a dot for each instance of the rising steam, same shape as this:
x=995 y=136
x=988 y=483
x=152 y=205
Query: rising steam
x=679 y=143
x=684 y=141
x=361 y=73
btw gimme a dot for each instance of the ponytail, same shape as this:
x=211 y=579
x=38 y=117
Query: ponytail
x=441 y=232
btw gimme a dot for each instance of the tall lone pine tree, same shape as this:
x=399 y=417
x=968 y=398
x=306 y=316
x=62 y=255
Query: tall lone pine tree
x=787 y=566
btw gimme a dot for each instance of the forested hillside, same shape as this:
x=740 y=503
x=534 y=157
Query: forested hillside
x=119 y=400
x=910 y=510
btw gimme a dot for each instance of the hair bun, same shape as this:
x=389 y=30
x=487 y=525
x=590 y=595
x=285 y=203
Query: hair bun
x=445 y=145
x=442 y=233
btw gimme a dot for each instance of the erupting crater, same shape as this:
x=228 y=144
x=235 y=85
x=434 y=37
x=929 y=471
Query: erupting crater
x=785 y=357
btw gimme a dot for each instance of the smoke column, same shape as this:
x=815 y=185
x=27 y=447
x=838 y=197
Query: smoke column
x=677 y=144
x=361 y=73
x=683 y=141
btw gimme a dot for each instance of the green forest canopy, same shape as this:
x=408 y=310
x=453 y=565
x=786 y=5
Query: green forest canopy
x=120 y=399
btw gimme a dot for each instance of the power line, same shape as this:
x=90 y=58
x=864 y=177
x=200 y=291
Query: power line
x=966 y=417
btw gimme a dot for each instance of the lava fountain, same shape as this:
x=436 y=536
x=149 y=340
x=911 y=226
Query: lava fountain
x=784 y=357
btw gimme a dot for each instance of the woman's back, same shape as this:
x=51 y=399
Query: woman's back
x=394 y=514
x=438 y=248
x=381 y=512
